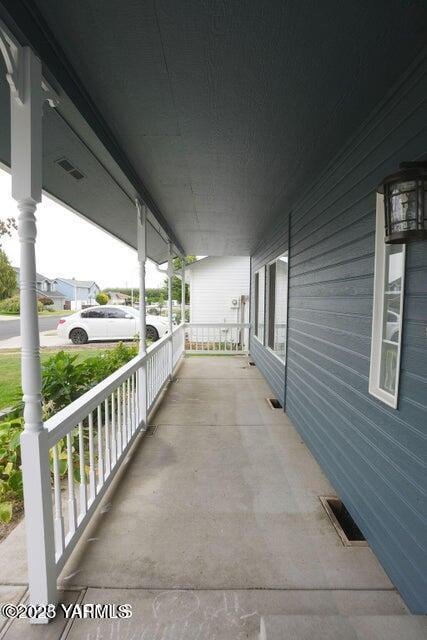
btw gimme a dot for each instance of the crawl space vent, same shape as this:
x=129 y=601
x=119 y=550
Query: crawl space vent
x=151 y=430
x=344 y=524
x=252 y=364
x=69 y=168
x=274 y=403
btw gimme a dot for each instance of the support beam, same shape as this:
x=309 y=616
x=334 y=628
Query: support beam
x=170 y=276
x=142 y=258
x=26 y=161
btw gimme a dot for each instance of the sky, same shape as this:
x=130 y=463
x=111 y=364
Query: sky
x=67 y=246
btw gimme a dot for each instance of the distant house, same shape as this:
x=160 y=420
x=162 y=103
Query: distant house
x=78 y=293
x=117 y=297
x=46 y=288
x=219 y=289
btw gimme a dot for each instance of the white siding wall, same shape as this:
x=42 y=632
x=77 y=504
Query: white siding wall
x=213 y=284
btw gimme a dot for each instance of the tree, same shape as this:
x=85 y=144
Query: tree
x=176 y=282
x=7 y=277
x=153 y=295
x=102 y=297
x=7 y=227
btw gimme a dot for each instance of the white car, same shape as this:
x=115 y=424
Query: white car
x=109 y=322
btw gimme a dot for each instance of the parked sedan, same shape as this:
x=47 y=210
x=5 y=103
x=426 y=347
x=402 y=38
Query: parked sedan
x=109 y=323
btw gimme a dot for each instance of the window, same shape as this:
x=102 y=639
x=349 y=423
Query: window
x=260 y=303
x=116 y=313
x=278 y=305
x=94 y=313
x=387 y=315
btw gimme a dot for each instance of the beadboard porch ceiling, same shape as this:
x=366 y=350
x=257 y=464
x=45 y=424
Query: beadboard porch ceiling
x=219 y=113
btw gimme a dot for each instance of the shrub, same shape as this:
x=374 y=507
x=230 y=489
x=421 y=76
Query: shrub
x=45 y=301
x=102 y=297
x=10 y=467
x=64 y=378
x=12 y=305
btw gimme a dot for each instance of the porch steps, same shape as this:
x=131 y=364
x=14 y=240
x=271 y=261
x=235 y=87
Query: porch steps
x=342 y=627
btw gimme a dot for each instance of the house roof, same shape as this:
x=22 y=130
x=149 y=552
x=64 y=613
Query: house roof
x=208 y=260
x=39 y=276
x=83 y=284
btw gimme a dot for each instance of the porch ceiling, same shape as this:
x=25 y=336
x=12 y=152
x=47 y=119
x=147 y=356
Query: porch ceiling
x=225 y=111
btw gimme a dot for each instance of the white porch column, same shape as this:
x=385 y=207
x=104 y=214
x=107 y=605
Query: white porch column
x=170 y=275
x=142 y=257
x=183 y=290
x=26 y=160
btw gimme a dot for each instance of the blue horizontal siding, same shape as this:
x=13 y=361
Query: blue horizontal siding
x=374 y=456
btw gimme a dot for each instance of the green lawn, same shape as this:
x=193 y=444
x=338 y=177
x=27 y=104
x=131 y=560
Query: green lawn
x=10 y=376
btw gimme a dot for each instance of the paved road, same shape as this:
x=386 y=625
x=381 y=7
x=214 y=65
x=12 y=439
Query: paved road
x=10 y=328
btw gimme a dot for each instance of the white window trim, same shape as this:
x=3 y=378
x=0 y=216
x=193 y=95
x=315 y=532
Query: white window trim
x=267 y=316
x=262 y=270
x=378 y=314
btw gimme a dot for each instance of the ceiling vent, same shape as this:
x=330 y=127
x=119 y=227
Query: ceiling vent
x=69 y=168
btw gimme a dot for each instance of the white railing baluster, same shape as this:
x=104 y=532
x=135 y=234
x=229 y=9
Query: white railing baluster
x=135 y=421
x=119 y=424
x=129 y=409
x=100 y=447
x=92 y=473
x=82 y=472
x=124 y=417
x=113 y=430
x=107 y=467
x=72 y=510
x=59 y=520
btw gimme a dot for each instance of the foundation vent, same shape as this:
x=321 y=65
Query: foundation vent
x=252 y=364
x=274 y=403
x=344 y=524
x=151 y=430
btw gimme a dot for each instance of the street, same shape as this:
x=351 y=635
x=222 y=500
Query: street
x=10 y=328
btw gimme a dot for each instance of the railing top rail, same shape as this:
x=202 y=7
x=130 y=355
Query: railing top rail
x=219 y=325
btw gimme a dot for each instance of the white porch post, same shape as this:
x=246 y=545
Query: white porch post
x=183 y=290
x=26 y=160
x=170 y=275
x=142 y=257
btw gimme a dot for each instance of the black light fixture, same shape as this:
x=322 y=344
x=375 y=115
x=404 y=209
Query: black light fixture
x=405 y=203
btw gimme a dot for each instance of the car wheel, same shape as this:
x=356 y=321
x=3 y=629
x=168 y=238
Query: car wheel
x=151 y=333
x=78 y=336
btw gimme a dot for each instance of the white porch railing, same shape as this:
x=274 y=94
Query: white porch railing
x=232 y=338
x=89 y=439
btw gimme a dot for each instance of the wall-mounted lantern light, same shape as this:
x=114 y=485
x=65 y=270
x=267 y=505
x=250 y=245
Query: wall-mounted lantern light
x=405 y=203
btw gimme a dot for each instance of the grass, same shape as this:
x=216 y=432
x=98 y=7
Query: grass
x=10 y=373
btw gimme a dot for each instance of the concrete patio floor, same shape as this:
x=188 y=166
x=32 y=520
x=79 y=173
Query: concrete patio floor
x=214 y=522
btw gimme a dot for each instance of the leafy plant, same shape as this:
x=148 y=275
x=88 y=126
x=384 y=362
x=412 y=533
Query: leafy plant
x=10 y=467
x=63 y=380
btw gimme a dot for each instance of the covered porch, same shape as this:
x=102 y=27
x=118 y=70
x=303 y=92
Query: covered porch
x=255 y=129
x=214 y=523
